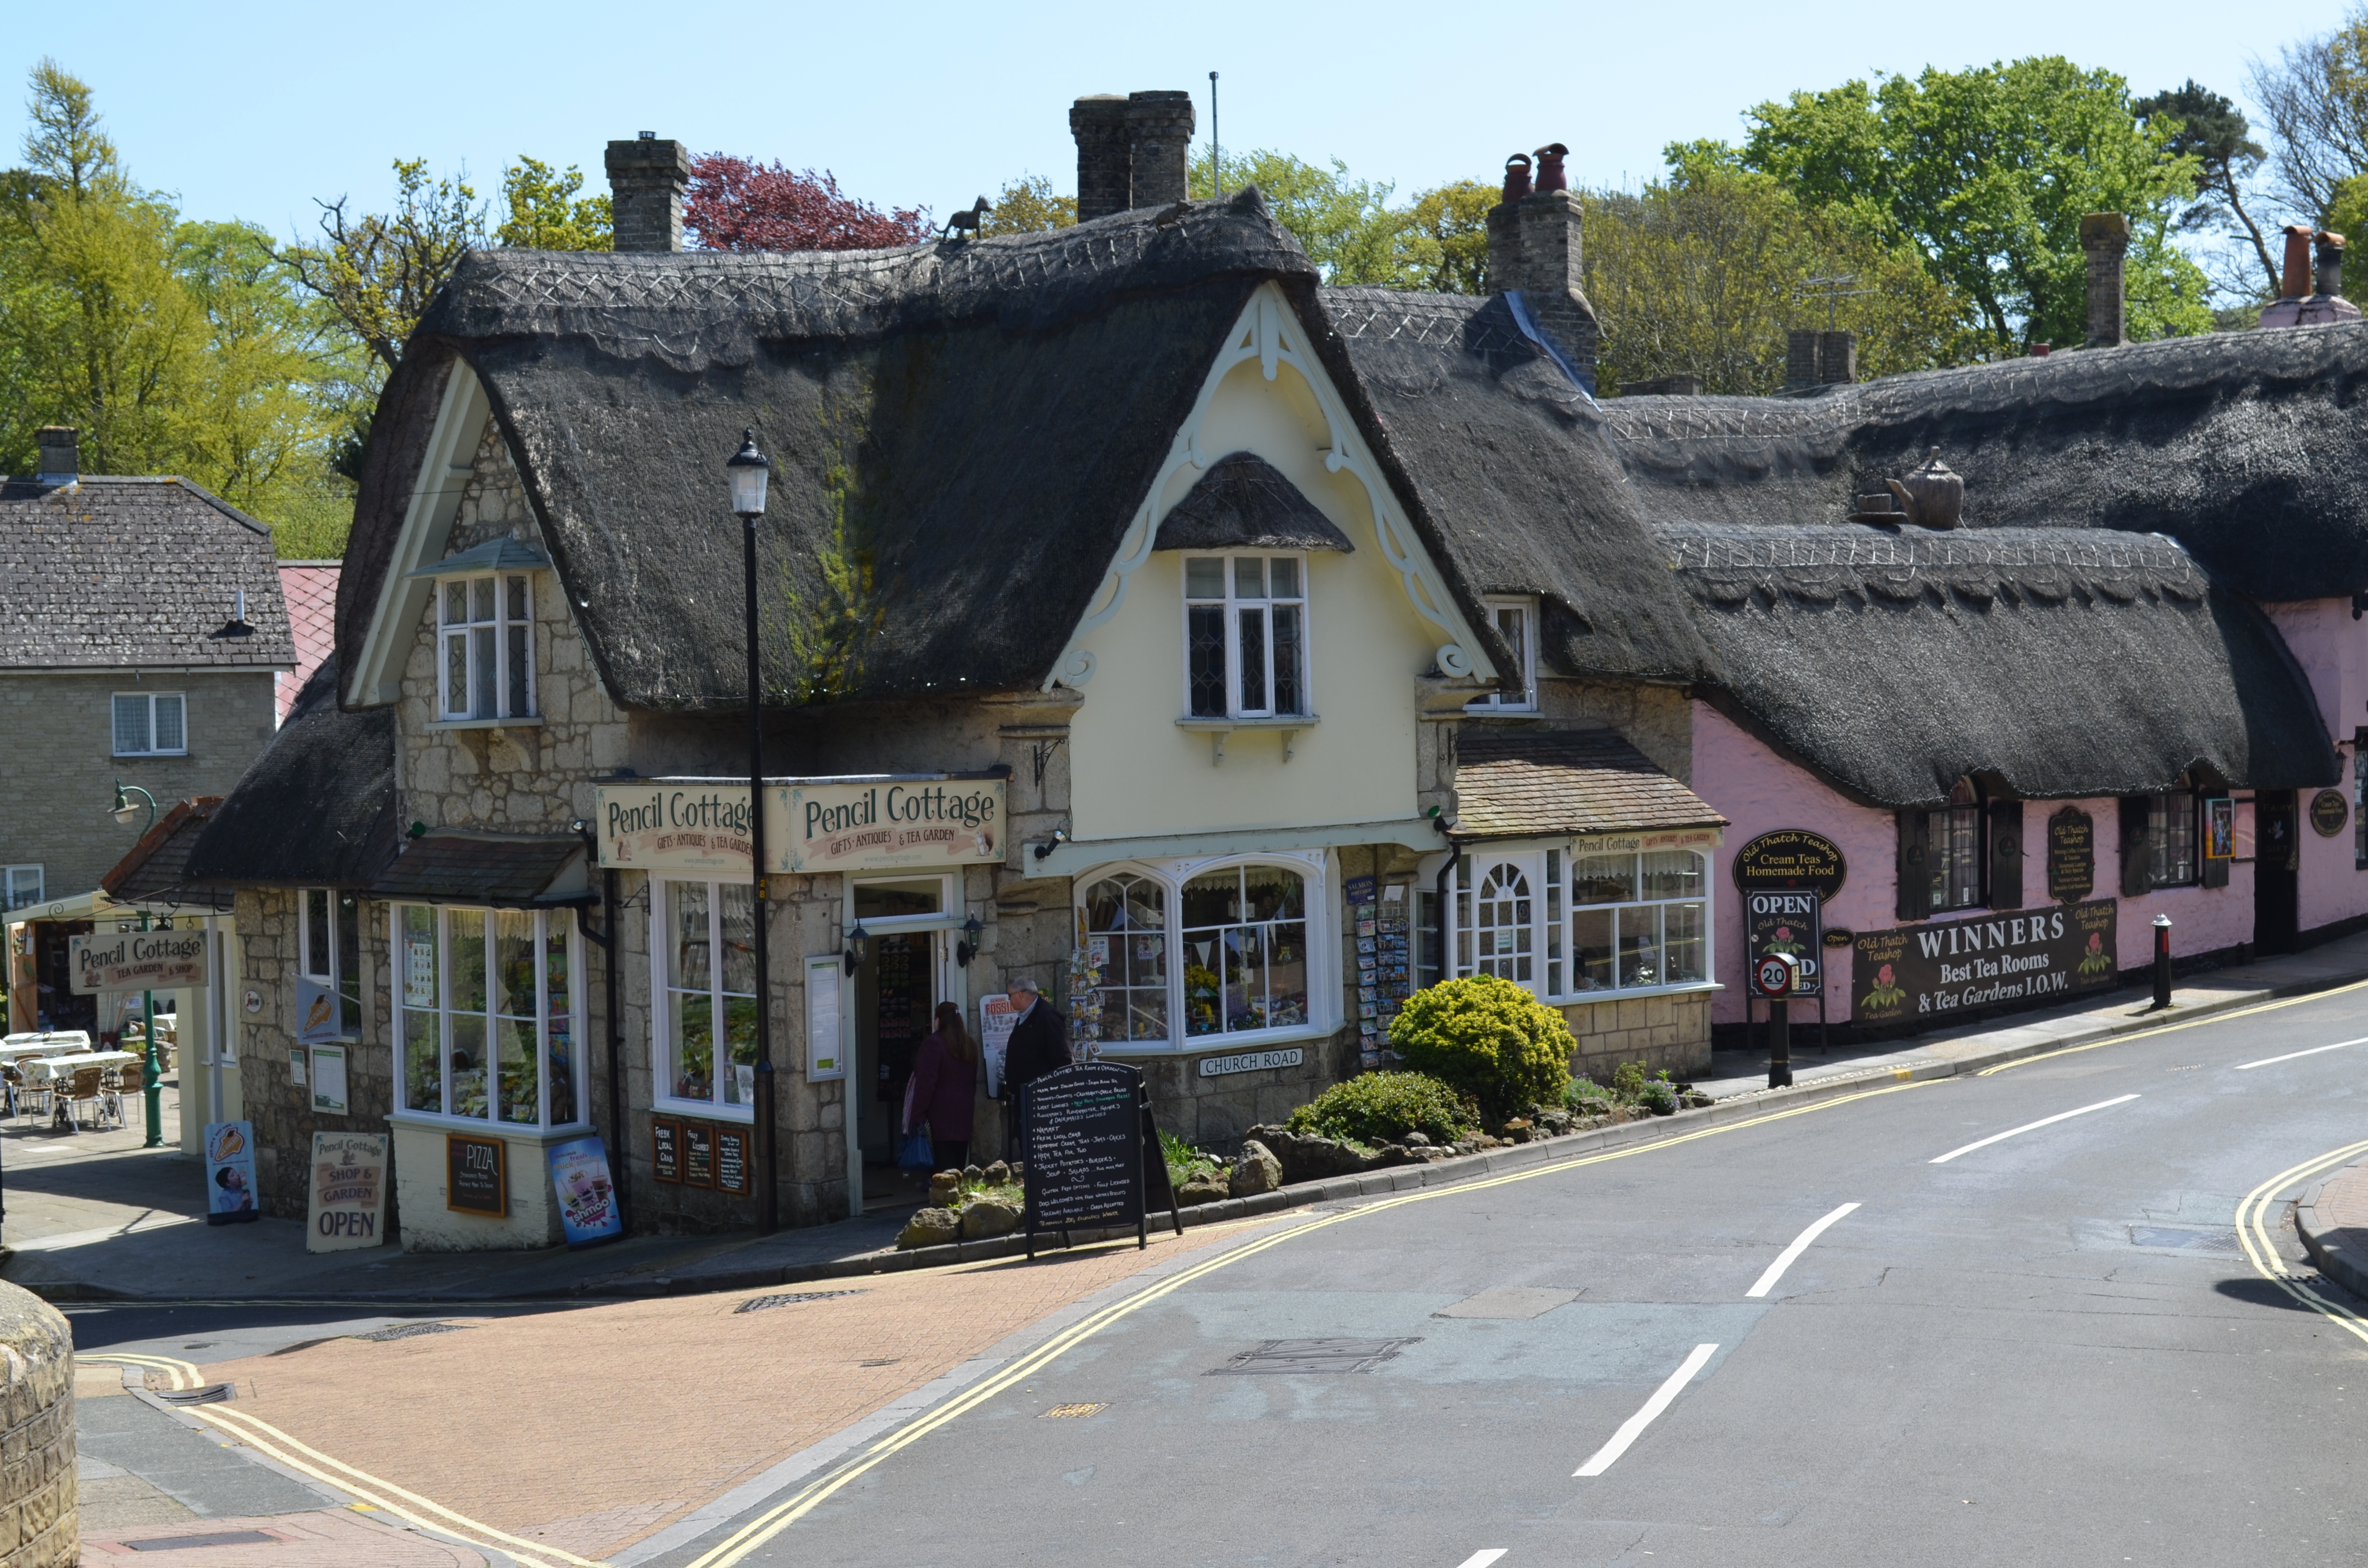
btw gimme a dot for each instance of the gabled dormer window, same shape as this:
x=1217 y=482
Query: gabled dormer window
x=484 y=646
x=1245 y=636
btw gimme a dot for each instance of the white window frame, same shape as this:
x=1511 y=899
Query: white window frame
x=1233 y=607
x=546 y=922
x=500 y=625
x=1325 y=1014
x=149 y=700
x=1525 y=648
x=11 y=876
x=328 y=969
x=1552 y=944
x=662 y=1003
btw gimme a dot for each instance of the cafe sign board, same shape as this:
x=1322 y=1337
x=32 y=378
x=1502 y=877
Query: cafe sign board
x=2071 y=856
x=138 y=960
x=1645 y=843
x=701 y=825
x=1791 y=859
x=676 y=824
x=1936 y=971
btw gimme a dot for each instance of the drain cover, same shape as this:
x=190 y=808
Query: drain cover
x=212 y=1393
x=1059 y=1410
x=1289 y=1357
x=2186 y=1240
x=407 y=1331
x=186 y=1542
x=761 y=1303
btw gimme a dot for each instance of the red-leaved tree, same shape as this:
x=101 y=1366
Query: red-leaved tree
x=740 y=204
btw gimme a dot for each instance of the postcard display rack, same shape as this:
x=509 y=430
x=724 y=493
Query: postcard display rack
x=1385 y=970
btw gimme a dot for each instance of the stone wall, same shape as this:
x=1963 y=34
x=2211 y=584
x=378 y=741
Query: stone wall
x=1657 y=720
x=67 y=721
x=1659 y=1032
x=39 y=1518
x=279 y=1108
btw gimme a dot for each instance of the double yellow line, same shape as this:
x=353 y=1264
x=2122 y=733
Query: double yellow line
x=366 y=1489
x=2173 y=1028
x=774 y=1520
x=2253 y=1233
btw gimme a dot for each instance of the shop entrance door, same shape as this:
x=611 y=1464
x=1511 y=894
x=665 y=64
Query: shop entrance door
x=909 y=970
x=2276 y=886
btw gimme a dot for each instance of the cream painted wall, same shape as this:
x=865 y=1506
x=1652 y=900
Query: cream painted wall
x=1134 y=772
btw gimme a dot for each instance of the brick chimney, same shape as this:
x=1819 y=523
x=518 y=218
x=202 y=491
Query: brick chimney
x=646 y=179
x=1159 y=134
x=1533 y=247
x=61 y=447
x=1815 y=359
x=1105 y=177
x=2106 y=237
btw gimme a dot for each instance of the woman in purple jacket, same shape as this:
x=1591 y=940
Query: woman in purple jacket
x=945 y=1088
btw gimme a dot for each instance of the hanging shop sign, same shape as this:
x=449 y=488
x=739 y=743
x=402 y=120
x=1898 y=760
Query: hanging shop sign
x=2329 y=813
x=1791 y=859
x=676 y=824
x=586 y=1191
x=2071 y=856
x=137 y=960
x=348 y=1205
x=1785 y=924
x=1994 y=960
x=476 y=1180
x=871 y=825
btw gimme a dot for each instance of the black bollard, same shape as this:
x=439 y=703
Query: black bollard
x=1780 y=1045
x=2162 y=961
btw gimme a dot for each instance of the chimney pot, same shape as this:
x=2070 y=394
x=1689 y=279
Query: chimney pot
x=1104 y=176
x=649 y=136
x=1517 y=176
x=2106 y=237
x=646 y=180
x=2330 y=264
x=60 y=449
x=1550 y=170
x=2297 y=279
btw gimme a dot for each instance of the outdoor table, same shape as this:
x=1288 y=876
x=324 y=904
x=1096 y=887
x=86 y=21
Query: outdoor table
x=56 y=1067
x=48 y=1043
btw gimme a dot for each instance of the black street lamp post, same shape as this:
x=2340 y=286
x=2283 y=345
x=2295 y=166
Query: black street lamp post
x=152 y=1075
x=748 y=468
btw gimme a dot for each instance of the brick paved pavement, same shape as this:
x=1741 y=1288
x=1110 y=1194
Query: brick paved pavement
x=587 y=1428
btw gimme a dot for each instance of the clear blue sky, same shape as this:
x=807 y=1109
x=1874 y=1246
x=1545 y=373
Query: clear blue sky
x=252 y=110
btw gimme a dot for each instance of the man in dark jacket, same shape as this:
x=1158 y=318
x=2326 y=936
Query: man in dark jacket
x=1040 y=1041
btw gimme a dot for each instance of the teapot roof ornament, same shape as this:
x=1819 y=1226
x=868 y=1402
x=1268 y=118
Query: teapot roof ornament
x=1933 y=494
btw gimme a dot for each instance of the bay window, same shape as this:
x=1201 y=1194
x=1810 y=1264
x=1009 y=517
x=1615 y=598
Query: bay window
x=1569 y=926
x=1245 y=636
x=1191 y=953
x=704 y=1012
x=485 y=1014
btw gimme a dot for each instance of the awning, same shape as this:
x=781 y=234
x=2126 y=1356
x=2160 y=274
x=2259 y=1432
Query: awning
x=510 y=870
x=497 y=555
x=1552 y=783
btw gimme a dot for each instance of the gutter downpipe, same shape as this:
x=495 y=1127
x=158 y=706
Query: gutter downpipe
x=1440 y=890
x=619 y=1164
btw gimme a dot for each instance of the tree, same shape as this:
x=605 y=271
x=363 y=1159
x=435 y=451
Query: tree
x=2316 y=99
x=545 y=213
x=1345 y=227
x=378 y=272
x=1028 y=206
x=1446 y=236
x=739 y=204
x=1988 y=172
x=1705 y=273
x=2209 y=129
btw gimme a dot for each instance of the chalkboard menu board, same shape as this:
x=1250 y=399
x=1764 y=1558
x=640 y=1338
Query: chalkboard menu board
x=474 y=1180
x=731 y=1161
x=1085 y=1138
x=666 y=1149
x=2071 y=856
x=698 y=1154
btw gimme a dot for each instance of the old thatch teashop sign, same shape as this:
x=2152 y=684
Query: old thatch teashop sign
x=2071 y=856
x=1790 y=860
x=1990 y=960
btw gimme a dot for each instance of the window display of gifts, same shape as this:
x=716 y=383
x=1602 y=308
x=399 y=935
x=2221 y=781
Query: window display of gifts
x=1385 y=968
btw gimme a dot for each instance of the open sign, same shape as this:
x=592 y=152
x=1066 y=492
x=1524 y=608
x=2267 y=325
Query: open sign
x=1776 y=974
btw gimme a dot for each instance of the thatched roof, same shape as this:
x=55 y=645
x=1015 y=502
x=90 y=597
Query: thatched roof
x=1246 y=503
x=316 y=809
x=2048 y=662
x=2251 y=448
x=951 y=421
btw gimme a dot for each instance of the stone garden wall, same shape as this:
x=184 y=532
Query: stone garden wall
x=39 y=1518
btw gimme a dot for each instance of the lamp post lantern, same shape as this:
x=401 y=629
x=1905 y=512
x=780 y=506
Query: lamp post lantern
x=748 y=468
x=152 y=1075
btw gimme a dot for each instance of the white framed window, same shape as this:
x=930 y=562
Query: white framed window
x=485 y=1011
x=1516 y=622
x=484 y=646
x=328 y=952
x=1572 y=927
x=703 y=1017
x=2173 y=858
x=150 y=724
x=20 y=885
x=1193 y=953
x=1245 y=636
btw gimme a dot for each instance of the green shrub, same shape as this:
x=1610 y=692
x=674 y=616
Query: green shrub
x=1628 y=1082
x=1488 y=1039
x=1382 y=1108
x=1659 y=1096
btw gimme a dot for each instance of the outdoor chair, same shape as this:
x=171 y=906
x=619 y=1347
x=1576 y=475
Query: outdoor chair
x=88 y=1088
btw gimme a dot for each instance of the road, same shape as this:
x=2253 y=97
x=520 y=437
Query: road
x=2048 y=1348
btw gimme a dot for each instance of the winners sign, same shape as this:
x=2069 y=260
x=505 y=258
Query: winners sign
x=1988 y=960
x=811 y=824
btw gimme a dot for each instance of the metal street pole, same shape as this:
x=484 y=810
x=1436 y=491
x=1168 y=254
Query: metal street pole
x=152 y=1076
x=746 y=469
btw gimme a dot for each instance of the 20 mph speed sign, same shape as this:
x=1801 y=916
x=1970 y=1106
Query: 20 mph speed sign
x=1775 y=974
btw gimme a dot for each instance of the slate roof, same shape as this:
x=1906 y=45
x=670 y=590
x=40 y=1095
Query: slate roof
x=116 y=573
x=503 y=870
x=975 y=414
x=2048 y=662
x=316 y=809
x=1530 y=783
x=156 y=869
x=310 y=590
x=2251 y=448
